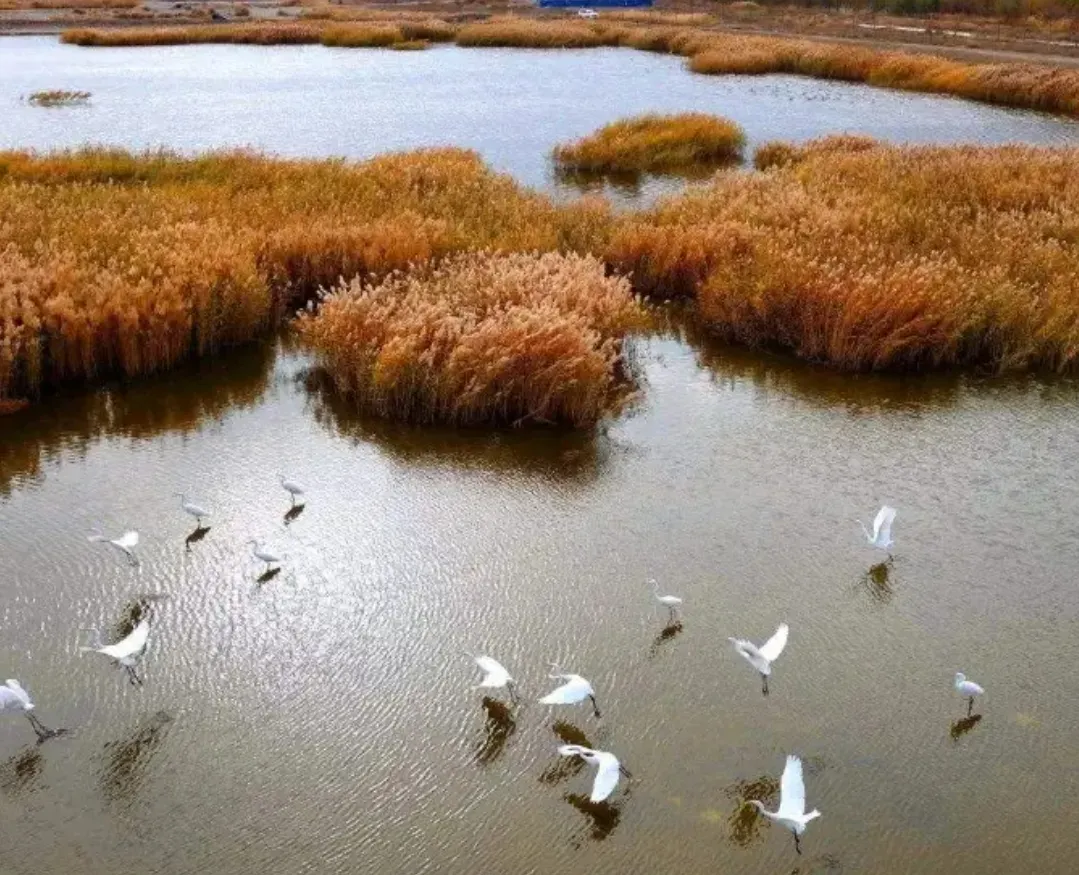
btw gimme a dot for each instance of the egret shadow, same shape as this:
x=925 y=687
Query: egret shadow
x=745 y=822
x=963 y=726
x=877 y=582
x=565 y=767
x=603 y=816
x=498 y=727
x=268 y=575
x=138 y=609
x=196 y=536
x=668 y=633
x=293 y=512
x=21 y=773
x=125 y=762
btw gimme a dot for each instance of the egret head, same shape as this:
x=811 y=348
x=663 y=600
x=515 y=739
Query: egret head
x=960 y=677
x=556 y=671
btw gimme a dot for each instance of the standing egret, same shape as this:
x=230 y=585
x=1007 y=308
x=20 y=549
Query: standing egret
x=126 y=651
x=192 y=509
x=292 y=488
x=575 y=689
x=495 y=675
x=967 y=689
x=15 y=700
x=607 y=768
x=881 y=536
x=761 y=658
x=126 y=544
x=792 y=802
x=671 y=602
x=267 y=556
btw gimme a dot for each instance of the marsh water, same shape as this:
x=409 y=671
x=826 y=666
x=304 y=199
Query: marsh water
x=322 y=719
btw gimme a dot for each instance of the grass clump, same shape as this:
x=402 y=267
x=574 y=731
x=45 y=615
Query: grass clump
x=481 y=338
x=361 y=35
x=530 y=33
x=59 y=98
x=654 y=143
x=412 y=45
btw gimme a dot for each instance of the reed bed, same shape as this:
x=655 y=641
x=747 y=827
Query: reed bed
x=527 y=33
x=69 y=4
x=59 y=98
x=654 y=143
x=878 y=258
x=361 y=35
x=264 y=34
x=479 y=339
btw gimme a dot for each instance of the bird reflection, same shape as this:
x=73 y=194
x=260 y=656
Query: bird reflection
x=293 y=512
x=745 y=821
x=668 y=633
x=497 y=729
x=20 y=773
x=125 y=762
x=565 y=767
x=962 y=727
x=604 y=816
x=269 y=575
x=876 y=582
x=137 y=610
x=196 y=536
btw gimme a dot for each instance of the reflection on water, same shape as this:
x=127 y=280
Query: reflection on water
x=745 y=821
x=499 y=725
x=562 y=767
x=603 y=817
x=668 y=633
x=877 y=582
x=21 y=773
x=197 y=535
x=632 y=186
x=962 y=727
x=293 y=513
x=125 y=763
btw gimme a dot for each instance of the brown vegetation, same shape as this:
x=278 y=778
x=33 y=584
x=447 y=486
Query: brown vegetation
x=527 y=33
x=654 y=143
x=58 y=98
x=480 y=338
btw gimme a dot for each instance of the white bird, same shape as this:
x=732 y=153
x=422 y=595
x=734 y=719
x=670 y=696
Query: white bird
x=267 y=556
x=761 y=658
x=792 y=802
x=881 y=536
x=192 y=509
x=967 y=689
x=575 y=689
x=127 y=651
x=495 y=675
x=671 y=602
x=126 y=544
x=607 y=768
x=15 y=700
x=291 y=487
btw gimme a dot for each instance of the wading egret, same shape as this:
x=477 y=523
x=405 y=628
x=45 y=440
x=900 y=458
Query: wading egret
x=671 y=602
x=607 y=768
x=267 y=556
x=967 y=689
x=126 y=544
x=126 y=651
x=881 y=536
x=761 y=658
x=192 y=509
x=15 y=700
x=494 y=675
x=575 y=689
x=792 y=802
x=292 y=488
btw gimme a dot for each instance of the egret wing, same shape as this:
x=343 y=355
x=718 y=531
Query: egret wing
x=606 y=776
x=576 y=689
x=14 y=691
x=132 y=644
x=749 y=652
x=792 y=790
x=569 y=750
x=128 y=540
x=494 y=671
x=10 y=700
x=771 y=648
x=883 y=523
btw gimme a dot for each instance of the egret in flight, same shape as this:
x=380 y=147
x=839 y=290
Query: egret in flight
x=267 y=556
x=126 y=651
x=881 y=536
x=792 y=802
x=192 y=509
x=761 y=658
x=967 y=689
x=607 y=768
x=292 y=488
x=126 y=544
x=15 y=700
x=575 y=689
x=671 y=602
x=495 y=675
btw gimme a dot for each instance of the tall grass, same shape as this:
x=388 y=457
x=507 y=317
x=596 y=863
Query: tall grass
x=480 y=338
x=654 y=143
x=58 y=98
x=528 y=33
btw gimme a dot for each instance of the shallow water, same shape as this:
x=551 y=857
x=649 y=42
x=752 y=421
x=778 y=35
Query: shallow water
x=512 y=105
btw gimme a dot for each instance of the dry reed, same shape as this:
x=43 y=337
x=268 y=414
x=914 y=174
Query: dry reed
x=532 y=34
x=480 y=339
x=654 y=143
x=58 y=98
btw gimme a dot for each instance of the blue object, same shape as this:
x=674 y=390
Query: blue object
x=598 y=4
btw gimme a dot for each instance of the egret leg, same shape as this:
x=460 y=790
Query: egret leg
x=133 y=676
x=595 y=707
x=513 y=693
x=764 y=684
x=42 y=731
x=970 y=706
x=797 y=843
x=624 y=770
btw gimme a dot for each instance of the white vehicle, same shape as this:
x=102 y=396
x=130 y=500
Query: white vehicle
x=587 y=13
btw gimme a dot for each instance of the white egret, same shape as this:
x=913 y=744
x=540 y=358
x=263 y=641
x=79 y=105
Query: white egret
x=761 y=658
x=495 y=675
x=575 y=689
x=15 y=700
x=967 y=689
x=792 y=802
x=192 y=509
x=881 y=536
x=671 y=602
x=267 y=556
x=292 y=488
x=126 y=544
x=125 y=652
x=607 y=768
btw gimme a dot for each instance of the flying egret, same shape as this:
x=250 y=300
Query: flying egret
x=881 y=536
x=671 y=602
x=267 y=556
x=761 y=658
x=494 y=675
x=192 y=509
x=126 y=544
x=126 y=651
x=15 y=700
x=607 y=768
x=967 y=689
x=575 y=689
x=792 y=802
x=292 y=488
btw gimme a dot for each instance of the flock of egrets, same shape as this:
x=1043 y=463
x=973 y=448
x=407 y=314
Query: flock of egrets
x=791 y=813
